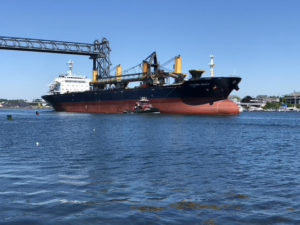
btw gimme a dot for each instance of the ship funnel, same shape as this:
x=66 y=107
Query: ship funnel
x=178 y=65
x=212 y=66
x=119 y=72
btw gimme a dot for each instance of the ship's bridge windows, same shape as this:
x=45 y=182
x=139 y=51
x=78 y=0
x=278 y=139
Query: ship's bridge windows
x=75 y=81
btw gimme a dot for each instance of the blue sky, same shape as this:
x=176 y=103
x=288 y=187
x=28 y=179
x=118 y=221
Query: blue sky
x=258 y=40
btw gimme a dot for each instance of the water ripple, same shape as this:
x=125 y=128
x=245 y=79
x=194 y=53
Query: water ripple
x=131 y=169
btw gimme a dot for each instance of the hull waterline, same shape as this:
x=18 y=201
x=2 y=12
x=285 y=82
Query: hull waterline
x=224 y=107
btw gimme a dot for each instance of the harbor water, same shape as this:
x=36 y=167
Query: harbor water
x=64 y=168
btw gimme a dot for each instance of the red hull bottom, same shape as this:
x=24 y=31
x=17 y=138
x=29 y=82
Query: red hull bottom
x=168 y=106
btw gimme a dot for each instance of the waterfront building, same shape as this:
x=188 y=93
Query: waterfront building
x=293 y=98
x=268 y=99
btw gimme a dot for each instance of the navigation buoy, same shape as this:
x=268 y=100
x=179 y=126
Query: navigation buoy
x=9 y=117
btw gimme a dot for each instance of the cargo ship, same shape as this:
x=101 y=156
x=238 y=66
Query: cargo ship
x=168 y=91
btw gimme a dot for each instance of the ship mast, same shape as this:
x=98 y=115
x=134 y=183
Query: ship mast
x=70 y=64
x=212 y=65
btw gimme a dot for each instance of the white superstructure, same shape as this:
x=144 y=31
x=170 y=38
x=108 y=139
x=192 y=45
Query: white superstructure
x=69 y=82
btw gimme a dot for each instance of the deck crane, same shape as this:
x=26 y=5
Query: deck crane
x=169 y=61
x=98 y=51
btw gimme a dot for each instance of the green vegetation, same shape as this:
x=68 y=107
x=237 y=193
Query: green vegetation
x=273 y=105
x=247 y=99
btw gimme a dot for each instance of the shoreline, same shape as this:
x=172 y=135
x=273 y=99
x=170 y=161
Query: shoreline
x=25 y=108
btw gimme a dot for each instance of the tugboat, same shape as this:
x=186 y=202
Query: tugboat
x=144 y=106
